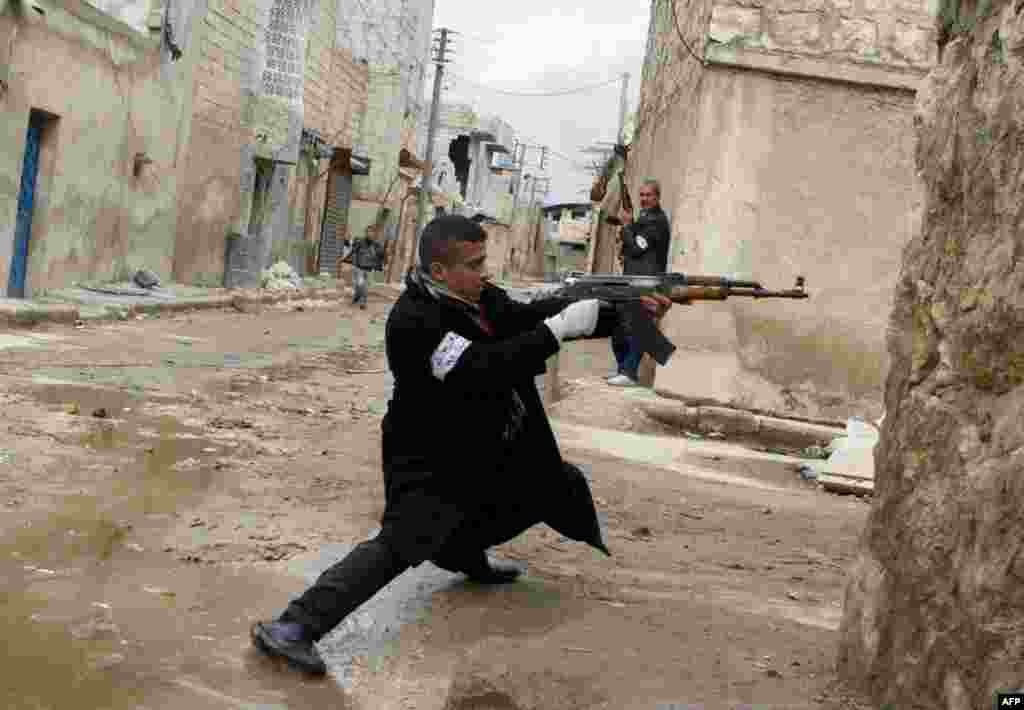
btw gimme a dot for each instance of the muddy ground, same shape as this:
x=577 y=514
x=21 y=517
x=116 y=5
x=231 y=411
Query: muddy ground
x=165 y=481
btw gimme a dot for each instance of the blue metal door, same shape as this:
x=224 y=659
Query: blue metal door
x=26 y=200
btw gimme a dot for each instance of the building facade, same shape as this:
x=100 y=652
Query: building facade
x=200 y=139
x=781 y=133
x=89 y=134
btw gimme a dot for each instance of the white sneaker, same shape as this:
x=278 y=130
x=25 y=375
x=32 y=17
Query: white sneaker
x=623 y=381
x=612 y=376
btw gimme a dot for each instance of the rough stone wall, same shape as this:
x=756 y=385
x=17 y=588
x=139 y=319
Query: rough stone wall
x=934 y=612
x=896 y=33
x=94 y=218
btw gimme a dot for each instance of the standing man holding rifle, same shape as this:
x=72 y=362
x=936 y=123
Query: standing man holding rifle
x=645 y=243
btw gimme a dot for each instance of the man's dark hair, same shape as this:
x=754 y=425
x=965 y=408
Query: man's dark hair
x=438 y=239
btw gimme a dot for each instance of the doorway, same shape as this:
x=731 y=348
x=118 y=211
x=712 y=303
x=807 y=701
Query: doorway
x=41 y=127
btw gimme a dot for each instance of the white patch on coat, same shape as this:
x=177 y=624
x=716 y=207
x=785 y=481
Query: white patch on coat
x=447 y=354
x=641 y=242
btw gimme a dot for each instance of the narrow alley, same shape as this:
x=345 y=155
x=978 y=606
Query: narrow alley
x=165 y=481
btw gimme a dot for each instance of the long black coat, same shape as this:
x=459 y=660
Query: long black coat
x=448 y=464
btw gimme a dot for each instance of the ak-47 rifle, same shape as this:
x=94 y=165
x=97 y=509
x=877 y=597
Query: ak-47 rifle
x=623 y=294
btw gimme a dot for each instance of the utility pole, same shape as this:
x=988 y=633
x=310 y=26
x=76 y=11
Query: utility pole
x=622 y=108
x=440 y=59
x=518 y=160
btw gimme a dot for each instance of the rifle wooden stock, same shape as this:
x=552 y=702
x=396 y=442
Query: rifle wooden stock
x=686 y=294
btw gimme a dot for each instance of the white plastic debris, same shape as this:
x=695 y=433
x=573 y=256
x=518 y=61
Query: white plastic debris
x=854 y=453
x=280 y=276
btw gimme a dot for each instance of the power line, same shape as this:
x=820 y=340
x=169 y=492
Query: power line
x=566 y=92
x=478 y=39
x=675 y=21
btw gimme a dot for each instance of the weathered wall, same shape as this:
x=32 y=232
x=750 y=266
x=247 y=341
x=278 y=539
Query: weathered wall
x=796 y=161
x=934 y=612
x=95 y=220
x=349 y=81
x=212 y=165
x=798 y=177
x=894 y=33
x=381 y=134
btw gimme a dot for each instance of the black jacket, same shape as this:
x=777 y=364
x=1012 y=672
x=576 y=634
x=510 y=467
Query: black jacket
x=447 y=444
x=645 y=243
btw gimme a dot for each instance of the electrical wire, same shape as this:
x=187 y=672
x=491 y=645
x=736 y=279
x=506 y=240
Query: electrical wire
x=675 y=21
x=566 y=92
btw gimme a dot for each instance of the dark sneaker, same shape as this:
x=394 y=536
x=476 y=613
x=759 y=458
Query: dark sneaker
x=281 y=639
x=494 y=573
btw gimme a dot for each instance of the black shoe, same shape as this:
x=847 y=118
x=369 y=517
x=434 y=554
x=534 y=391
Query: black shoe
x=494 y=573
x=282 y=639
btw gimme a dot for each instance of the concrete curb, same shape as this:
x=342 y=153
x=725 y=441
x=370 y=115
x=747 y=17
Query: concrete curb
x=740 y=423
x=30 y=314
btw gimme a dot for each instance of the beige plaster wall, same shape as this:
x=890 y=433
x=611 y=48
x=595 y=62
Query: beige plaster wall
x=792 y=177
x=94 y=219
x=211 y=164
x=795 y=161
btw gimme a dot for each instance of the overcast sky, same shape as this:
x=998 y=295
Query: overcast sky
x=545 y=46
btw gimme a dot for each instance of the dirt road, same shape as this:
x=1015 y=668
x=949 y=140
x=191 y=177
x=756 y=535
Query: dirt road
x=165 y=481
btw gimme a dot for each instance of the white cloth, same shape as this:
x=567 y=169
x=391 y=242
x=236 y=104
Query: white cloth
x=576 y=320
x=447 y=354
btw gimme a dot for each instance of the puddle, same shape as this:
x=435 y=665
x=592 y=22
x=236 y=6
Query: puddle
x=95 y=635
x=92 y=616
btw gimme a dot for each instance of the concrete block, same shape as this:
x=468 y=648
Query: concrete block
x=911 y=43
x=797 y=29
x=28 y=314
x=728 y=22
x=855 y=36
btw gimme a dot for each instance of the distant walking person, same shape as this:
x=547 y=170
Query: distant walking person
x=645 y=243
x=367 y=255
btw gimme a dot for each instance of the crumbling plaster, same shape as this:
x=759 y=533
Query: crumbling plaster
x=780 y=160
x=95 y=218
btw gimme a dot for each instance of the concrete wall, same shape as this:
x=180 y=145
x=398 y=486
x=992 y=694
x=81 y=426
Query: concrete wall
x=94 y=218
x=236 y=119
x=212 y=167
x=797 y=160
x=798 y=177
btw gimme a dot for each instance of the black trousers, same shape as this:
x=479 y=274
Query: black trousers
x=456 y=542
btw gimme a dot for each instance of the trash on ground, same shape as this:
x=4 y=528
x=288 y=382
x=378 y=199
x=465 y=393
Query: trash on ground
x=850 y=458
x=144 y=278
x=280 y=276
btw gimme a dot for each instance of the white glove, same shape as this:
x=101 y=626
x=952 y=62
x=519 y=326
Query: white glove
x=576 y=320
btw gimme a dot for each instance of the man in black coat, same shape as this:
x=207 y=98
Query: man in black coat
x=469 y=457
x=645 y=243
